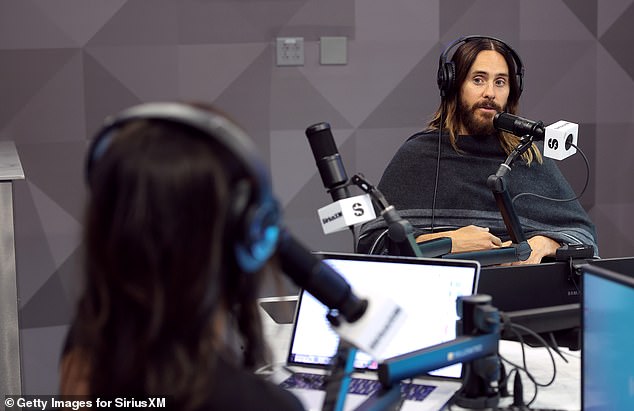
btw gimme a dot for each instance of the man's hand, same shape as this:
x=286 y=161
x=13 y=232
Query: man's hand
x=469 y=238
x=541 y=247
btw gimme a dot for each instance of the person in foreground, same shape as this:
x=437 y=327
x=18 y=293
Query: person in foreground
x=180 y=229
x=461 y=148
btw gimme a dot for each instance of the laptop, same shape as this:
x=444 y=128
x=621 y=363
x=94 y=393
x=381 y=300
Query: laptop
x=427 y=289
x=607 y=362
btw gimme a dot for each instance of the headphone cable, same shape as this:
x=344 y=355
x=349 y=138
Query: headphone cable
x=433 y=203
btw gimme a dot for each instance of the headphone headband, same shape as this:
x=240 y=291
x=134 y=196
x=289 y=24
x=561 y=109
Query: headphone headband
x=228 y=134
x=258 y=217
x=447 y=70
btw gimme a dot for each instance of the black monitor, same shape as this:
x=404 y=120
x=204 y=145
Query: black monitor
x=624 y=265
x=543 y=297
x=607 y=362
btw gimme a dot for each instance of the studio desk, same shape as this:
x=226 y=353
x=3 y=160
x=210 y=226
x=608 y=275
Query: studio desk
x=545 y=297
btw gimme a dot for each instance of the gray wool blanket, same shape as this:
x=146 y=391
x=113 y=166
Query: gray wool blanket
x=463 y=197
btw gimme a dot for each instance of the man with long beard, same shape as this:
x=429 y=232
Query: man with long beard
x=438 y=178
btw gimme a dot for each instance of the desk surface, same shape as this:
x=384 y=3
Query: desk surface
x=563 y=394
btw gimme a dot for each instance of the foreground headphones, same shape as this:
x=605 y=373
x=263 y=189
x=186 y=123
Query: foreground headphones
x=257 y=218
x=447 y=70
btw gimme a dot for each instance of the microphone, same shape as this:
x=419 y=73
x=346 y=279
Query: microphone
x=324 y=283
x=559 y=138
x=329 y=162
x=370 y=325
x=346 y=211
x=519 y=126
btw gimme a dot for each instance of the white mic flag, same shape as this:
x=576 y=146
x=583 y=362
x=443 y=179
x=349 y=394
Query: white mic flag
x=346 y=212
x=373 y=332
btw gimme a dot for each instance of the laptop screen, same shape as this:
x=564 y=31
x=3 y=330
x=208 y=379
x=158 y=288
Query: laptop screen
x=608 y=340
x=426 y=289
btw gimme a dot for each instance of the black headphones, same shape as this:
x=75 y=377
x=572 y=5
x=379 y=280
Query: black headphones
x=447 y=70
x=256 y=212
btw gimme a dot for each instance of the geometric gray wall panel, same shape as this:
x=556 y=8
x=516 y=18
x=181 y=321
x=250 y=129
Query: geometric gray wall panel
x=618 y=40
x=64 y=66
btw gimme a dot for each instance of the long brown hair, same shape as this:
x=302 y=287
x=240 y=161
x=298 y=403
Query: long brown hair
x=159 y=270
x=448 y=110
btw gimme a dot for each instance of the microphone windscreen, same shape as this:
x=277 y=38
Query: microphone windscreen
x=321 y=140
x=502 y=121
x=518 y=126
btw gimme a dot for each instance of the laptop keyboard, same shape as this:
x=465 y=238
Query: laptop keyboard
x=524 y=408
x=362 y=386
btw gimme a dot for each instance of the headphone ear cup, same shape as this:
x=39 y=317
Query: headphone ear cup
x=450 y=75
x=440 y=79
x=446 y=75
x=256 y=225
x=263 y=234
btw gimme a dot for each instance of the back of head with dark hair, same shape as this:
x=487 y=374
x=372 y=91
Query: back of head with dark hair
x=160 y=277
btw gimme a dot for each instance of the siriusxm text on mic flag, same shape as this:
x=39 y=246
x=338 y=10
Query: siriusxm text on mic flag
x=345 y=213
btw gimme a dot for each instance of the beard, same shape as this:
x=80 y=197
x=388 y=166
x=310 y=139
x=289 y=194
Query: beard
x=475 y=122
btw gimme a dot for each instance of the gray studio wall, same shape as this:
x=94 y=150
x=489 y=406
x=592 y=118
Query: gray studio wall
x=66 y=64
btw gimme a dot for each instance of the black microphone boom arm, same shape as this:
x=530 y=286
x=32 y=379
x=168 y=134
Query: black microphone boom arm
x=499 y=187
x=476 y=347
x=400 y=231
